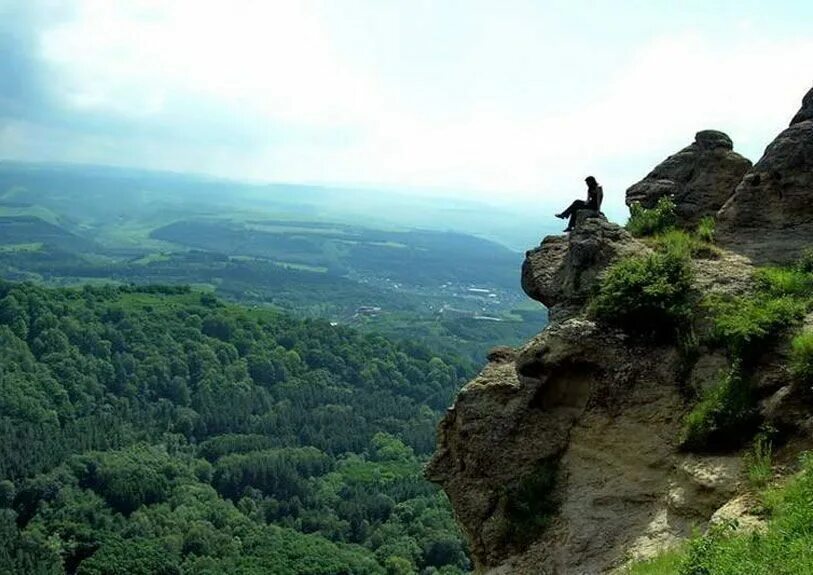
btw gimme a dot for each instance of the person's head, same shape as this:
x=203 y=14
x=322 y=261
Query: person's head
x=591 y=182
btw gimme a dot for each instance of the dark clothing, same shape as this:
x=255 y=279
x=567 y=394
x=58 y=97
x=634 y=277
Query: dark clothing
x=594 y=198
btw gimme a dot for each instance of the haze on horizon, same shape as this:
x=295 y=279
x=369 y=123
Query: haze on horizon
x=505 y=101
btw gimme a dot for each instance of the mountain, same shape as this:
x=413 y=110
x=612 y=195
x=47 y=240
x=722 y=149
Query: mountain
x=670 y=388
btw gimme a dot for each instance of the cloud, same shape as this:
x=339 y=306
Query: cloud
x=511 y=102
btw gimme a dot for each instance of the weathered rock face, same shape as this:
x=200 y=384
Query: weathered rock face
x=562 y=271
x=770 y=215
x=608 y=414
x=699 y=178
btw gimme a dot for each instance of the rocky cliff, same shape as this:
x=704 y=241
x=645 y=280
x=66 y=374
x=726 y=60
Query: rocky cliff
x=564 y=456
x=769 y=217
x=699 y=178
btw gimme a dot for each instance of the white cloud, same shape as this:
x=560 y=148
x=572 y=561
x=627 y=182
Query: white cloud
x=486 y=102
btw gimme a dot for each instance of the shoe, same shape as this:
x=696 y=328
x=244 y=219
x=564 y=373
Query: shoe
x=560 y=216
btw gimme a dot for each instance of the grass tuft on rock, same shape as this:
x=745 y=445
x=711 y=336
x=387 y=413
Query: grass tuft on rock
x=531 y=503
x=801 y=358
x=758 y=462
x=683 y=244
x=725 y=415
x=647 y=222
x=706 y=230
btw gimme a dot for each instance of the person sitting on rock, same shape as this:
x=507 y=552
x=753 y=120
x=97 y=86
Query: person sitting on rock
x=595 y=195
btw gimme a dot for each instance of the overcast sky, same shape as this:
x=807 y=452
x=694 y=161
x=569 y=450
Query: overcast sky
x=497 y=99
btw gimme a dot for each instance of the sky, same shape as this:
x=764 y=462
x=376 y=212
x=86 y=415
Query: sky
x=508 y=101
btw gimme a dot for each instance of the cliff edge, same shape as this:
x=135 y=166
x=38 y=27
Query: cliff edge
x=570 y=454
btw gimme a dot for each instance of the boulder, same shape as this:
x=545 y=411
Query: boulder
x=699 y=178
x=769 y=218
x=563 y=270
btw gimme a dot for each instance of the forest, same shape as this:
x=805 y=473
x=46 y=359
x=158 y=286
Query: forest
x=159 y=430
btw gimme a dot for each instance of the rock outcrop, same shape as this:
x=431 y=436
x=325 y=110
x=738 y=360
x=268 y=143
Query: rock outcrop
x=599 y=411
x=562 y=457
x=699 y=178
x=562 y=271
x=605 y=414
x=769 y=217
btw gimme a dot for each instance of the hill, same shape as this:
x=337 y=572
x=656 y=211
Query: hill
x=291 y=247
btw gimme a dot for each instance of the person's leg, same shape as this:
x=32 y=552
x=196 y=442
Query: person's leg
x=571 y=209
x=572 y=221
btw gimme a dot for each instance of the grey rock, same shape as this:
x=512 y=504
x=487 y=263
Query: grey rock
x=769 y=218
x=501 y=354
x=562 y=272
x=699 y=178
x=806 y=113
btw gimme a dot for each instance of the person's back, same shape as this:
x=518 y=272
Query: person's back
x=595 y=196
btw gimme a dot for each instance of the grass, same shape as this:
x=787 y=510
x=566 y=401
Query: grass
x=784 y=547
x=706 y=230
x=779 y=282
x=723 y=417
x=645 y=294
x=665 y=563
x=758 y=462
x=683 y=244
x=647 y=222
x=801 y=358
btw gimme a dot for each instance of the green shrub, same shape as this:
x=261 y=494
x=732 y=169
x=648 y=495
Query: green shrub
x=647 y=222
x=778 y=282
x=805 y=263
x=706 y=230
x=743 y=323
x=801 y=358
x=531 y=503
x=645 y=294
x=723 y=417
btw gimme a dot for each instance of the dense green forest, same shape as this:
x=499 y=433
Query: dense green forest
x=157 y=430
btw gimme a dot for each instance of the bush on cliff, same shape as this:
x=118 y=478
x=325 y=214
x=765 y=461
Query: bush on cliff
x=780 y=282
x=743 y=324
x=724 y=416
x=650 y=221
x=645 y=294
x=531 y=502
x=801 y=359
